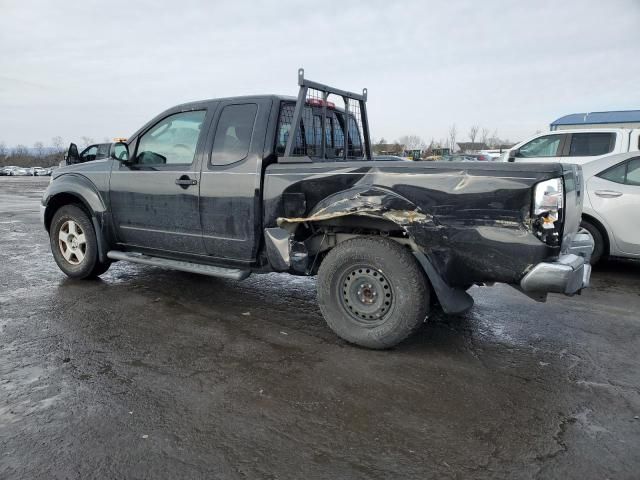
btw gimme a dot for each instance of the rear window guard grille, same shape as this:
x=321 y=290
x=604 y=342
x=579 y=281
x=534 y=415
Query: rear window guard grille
x=343 y=115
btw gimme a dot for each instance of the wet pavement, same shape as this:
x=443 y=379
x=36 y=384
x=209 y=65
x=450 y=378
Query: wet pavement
x=149 y=373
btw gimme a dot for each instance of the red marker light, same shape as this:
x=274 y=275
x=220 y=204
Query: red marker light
x=316 y=102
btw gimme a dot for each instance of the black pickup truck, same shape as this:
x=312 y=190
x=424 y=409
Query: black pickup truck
x=234 y=186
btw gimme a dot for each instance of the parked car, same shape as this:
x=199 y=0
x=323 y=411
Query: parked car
x=232 y=186
x=466 y=157
x=390 y=158
x=611 y=211
x=493 y=153
x=16 y=171
x=575 y=146
x=5 y=171
x=38 y=171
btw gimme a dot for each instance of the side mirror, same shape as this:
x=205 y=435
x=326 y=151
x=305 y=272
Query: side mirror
x=72 y=157
x=512 y=155
x=119 y=152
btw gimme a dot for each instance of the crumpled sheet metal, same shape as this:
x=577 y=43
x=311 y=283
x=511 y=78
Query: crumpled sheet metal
x=374 y=203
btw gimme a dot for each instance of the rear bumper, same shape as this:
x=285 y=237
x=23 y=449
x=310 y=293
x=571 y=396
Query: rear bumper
x=569 y=274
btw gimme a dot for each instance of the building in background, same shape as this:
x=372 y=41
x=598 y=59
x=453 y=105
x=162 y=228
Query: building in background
x=613 y=119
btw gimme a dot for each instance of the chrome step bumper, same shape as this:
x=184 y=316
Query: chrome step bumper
x=569 y=274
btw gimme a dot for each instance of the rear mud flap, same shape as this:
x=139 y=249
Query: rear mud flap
x=452 y=300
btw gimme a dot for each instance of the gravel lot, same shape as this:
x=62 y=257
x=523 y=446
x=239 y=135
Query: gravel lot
x=149 y=373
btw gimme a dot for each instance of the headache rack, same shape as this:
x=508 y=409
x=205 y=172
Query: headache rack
x=348 y=142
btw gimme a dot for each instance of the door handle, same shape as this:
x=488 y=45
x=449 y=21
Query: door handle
x=185 y=182
x=608 y=193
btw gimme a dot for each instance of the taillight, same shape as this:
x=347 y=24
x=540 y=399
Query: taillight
x=548 y=203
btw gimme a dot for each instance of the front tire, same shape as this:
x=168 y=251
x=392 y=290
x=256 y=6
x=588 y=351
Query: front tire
x=372 y=292
x=73 y=242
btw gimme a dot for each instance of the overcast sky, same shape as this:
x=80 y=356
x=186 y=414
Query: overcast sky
x=102 y=69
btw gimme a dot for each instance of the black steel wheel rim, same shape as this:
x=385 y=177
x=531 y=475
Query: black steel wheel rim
x=366 y=295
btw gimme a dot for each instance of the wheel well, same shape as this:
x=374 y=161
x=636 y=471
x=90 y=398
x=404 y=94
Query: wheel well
x=320 y=237
x=603 y=231
x=60 y=200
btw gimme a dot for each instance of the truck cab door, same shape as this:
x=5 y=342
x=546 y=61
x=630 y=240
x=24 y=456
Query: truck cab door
x=154 y=196
x=230 y=185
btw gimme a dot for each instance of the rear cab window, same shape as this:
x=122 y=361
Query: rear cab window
x=310 y=134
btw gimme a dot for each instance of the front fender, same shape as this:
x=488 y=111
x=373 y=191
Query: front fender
x=74 y=188
x=79 y=186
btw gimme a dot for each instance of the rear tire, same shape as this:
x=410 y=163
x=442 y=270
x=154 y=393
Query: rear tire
x=598 y=241
x=372 y=292
x=73 y=242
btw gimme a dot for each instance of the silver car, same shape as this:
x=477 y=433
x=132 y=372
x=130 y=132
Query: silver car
x=611 y=211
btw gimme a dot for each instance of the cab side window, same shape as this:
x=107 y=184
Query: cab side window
x=173 y=140
x=546 y=146
x=89 y=154
x=233 y=134
x=591 y=144
x=103 y=150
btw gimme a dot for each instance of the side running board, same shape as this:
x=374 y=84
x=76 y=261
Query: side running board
x=232 y=273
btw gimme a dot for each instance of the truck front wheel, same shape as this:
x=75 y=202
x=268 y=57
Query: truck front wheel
x=372 y=292
x=73 y=243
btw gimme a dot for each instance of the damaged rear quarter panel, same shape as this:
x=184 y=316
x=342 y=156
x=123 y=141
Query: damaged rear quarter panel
x=471 y=220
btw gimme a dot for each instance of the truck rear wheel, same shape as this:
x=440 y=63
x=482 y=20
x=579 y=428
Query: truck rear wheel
x=372 y=292
x=73 y=243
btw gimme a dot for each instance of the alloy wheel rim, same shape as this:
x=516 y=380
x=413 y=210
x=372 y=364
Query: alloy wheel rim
x=72 y=242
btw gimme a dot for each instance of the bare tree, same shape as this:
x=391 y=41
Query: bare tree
x=453 y=132
x=411 y=142
x=494 y=141
x=484 y=135
x=20 y=151
x=38 y=148
x=473 y=133
x=86 y=141
x=3 y=150
x=57 y=143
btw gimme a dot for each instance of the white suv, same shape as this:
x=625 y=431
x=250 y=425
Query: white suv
x=575 y=146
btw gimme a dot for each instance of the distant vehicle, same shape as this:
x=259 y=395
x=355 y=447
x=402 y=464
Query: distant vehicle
x=37 y=171
x=495 y=154
x=98 y=151
x=5 y=171
x=15 y=171
x=575 y=146
x=610 y=211
x=466 y=157
x=389 y=158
